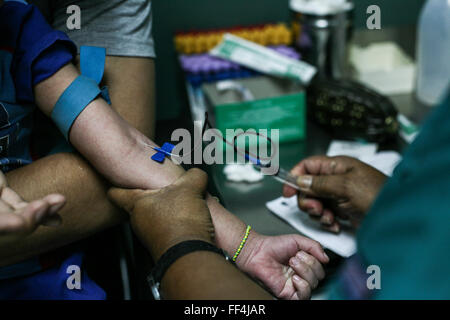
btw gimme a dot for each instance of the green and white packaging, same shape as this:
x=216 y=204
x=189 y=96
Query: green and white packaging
x=262 y=59
x=408 y=130
x=276 y=104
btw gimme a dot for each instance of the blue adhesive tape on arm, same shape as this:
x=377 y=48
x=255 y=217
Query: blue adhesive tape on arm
x=72 y=102
x=92 y=62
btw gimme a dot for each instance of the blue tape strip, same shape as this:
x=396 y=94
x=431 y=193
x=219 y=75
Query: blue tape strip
x=253 y=160
x=73 y=100
x=162 y=152
x=92 y=62
x=105 y=95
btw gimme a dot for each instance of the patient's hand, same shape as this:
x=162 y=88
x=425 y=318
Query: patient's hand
x=333 y=187
x=162 y=218
x=19 y=218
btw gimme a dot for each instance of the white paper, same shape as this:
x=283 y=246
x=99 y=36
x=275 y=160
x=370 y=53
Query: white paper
x=351 y=149
x=384 y=161
x=344 y=243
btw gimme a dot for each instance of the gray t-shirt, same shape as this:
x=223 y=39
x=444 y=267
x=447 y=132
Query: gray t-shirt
x=123 y=27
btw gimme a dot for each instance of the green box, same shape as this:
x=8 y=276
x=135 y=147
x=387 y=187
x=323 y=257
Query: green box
x=277 y=104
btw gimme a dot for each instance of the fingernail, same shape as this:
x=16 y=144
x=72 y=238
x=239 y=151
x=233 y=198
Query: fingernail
x=335 y=228
x=55 y=208
x=305 y=182
x=295 y=261
x=302 y=256
x=313 y=212
x=326 y=220
x=326 y=256
x=296 y=278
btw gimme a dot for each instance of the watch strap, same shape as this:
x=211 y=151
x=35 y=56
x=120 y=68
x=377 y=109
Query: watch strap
x=173 y=254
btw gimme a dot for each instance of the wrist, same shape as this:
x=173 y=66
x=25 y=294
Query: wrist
x=159 y=242
x=251 y=246
x=229 y=230
x=229 y=234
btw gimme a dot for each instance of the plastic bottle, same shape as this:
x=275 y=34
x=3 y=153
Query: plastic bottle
x=433 y=52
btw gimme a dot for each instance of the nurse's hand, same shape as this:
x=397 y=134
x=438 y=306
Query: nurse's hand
x=334 y=187
x=164 y=217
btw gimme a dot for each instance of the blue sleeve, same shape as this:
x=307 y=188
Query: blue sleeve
x=39 y=51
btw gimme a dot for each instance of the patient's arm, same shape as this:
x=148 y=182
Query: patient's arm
x=122 y=154
x=88 y=210
x=131 y=81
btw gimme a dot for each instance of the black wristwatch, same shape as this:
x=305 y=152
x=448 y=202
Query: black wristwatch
x=173 y=254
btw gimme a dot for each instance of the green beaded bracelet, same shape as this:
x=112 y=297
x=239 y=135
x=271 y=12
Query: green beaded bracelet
x=244 y=240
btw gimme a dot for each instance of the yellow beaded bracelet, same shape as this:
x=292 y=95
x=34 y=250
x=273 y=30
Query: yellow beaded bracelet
x=244 y=240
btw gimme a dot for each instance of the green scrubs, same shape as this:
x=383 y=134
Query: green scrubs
x=407 y=231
